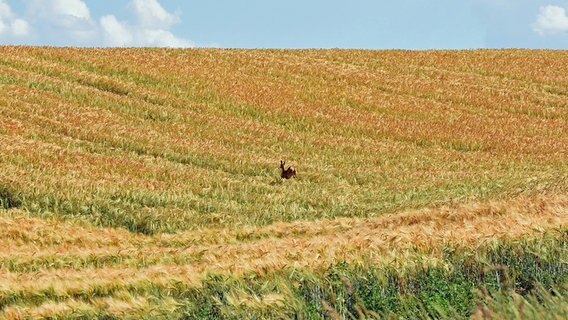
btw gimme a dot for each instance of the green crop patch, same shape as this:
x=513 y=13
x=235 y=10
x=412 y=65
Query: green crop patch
x=9 y=198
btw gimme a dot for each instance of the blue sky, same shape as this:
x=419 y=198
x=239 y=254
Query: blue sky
x=372 y=24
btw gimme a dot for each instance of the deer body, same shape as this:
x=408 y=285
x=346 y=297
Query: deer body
x=286 y=173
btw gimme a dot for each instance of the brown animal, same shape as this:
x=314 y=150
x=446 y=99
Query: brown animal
x=286 y=173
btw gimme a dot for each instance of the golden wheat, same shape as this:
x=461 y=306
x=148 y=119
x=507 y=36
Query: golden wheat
x=161 y=167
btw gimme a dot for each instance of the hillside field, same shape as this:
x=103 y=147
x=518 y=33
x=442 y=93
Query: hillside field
x=144 y=183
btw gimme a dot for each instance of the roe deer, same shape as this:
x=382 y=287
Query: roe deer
x=286 y=173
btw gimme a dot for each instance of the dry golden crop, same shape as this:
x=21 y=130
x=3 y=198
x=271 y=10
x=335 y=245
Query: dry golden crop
x=163 y=136
x=68 y=260
x=123 y=170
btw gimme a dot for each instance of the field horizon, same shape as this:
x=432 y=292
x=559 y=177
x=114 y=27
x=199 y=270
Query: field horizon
x=145 y=183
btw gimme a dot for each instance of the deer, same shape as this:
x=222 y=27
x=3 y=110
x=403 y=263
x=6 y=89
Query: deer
x=286 y=173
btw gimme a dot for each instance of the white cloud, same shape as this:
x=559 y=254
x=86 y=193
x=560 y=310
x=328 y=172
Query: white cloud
x=5 y=11
x=122 y=34
x=10 y=25
x=74 y=8
x=71 y=15
x=152 y=28
x=163 y=38
x=69 y=22
x=20 y=27
x=115 y=33
x=551 y=19
x=152 y=15
x=53 y=10
x=66 y=19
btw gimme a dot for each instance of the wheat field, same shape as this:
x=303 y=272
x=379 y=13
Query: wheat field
x=144 y=183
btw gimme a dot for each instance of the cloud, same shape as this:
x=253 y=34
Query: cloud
x=551 y=20
x=164 y=38
x=10 y=25
x=121 y=34
x=115 y=33
x=74 y=8
x=64 y=20
x=151 y=29
x=152 y=15
x=54 y=9
x=20 y=27
x=70 y=22
x=5 y=11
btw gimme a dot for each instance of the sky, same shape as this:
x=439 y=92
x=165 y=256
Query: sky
x=368 y=24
